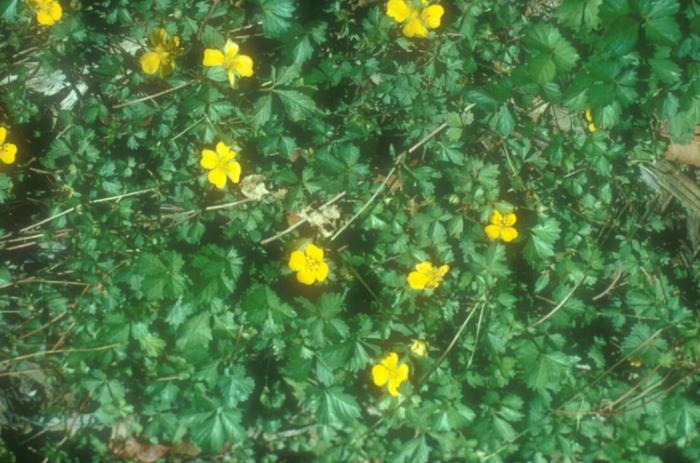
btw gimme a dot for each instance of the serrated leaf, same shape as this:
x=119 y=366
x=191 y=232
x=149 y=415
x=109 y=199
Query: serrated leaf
x=211 y=430
x=196 y=333
x=663 y=30
x=277 y=16
x=580 y=14
x=502 y=122
x=160 y=276
x=540 y=246
x=336 y=407
x=297 y=105
x=262 y=110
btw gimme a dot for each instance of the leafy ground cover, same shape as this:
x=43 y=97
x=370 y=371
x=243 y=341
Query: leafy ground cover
x=286 y=230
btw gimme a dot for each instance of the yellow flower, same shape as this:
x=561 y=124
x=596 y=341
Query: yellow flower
x=426 y=276
x=589 y=118
x=419 y=348
x=7 y=150
x=48 y=12
x=234 y=64
x=221 y=164
x=389 y=371
x=162 y=55
x=502 y=227
x=309 y=265
x=416 y=21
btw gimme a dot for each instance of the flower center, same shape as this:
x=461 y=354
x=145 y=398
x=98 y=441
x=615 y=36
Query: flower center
x=230 y=62
x=313 y=264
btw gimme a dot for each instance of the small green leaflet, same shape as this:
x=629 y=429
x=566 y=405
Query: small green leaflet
x=195 y=333
x=211 y=430
x=161 y=275
x=550 y=50
x=336 y=407
x=8 y=9
x=579 y=14
x=540 y=246
x=276 y=16
x=297 y=105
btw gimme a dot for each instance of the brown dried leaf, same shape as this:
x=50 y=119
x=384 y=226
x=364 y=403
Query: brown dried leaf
x=687 y=154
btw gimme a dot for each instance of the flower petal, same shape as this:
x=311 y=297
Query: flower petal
x=398 y=10
x=401 y=373
x=510 y=219
x=417 y=280
x=322 y=272
x=233 y=170
x=314 y=252
x=589 y=116
x=297 y=261
x=415 y=28
x=496 y=217
x=8 y=153
x=493 y=231
x=230 y=49
x=224 y=152
x=394 y=388
x=508 y=234
x=390 y=361
x=443 y=270
x=244 y=65
x=209 y=159
x=150 y=62
x=213 y=57
x=56 y=11
x=231 y=74
x=306 y=276
x=424 y=267
x=432 y=16
x=167 y=65
x=3 y=135
x=592 y=127
x=218 y=178
x=380 y=375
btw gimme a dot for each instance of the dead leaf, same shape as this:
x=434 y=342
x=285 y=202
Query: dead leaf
x=132 y=449
x=687 y=154
x=324 y=219
x=253 y=187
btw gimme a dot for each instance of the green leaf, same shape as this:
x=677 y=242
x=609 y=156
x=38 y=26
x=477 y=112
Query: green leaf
x=540 y=246
x=665 y=70
x=580 y=14
x=336 y=407
x=662 y=30
x=211 y=430
x=218 y=271
x=502 y=122
x=178 y=313
x=262 y=110
x=542 y=68
x=297 y=105
x=196 y=333
x=276 y=16
x=160 y=276
x=8 y=9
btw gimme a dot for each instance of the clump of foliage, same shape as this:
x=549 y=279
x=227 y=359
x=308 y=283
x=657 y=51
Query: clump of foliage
x=276 y=230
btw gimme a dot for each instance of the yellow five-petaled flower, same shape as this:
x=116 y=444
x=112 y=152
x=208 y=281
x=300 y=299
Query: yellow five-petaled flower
x=589 y=118
x=48 y=12
x=221 y=165
x=229 y=59
x=309 y=265
x=388 y=371
x=502 y=226
x=8 y=151
x=162 y=55
x=426 y=276
x=416 y=21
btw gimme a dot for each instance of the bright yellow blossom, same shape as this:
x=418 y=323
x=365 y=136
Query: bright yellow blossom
x=426 y=276
x=420 y=348
x=416 y=21
x=589 y=118
x=221 y=164
x=389 y=371
x=502 y=227
x=229 y=59
x=8 y=151
x=309 y=265
x=48 y=12
x=162 y=54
